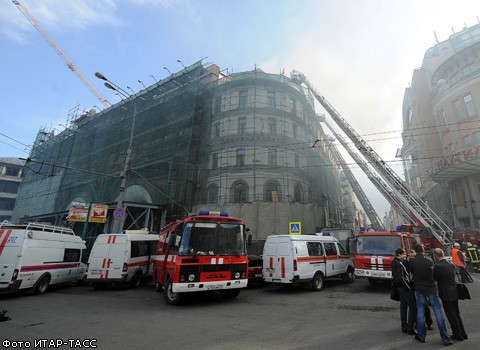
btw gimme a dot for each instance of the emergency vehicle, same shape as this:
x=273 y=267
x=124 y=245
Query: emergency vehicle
x=122 y=258
x=375 y=252
x=204 y=252
x=432 y=231
x=305 y=259
x=34 y=256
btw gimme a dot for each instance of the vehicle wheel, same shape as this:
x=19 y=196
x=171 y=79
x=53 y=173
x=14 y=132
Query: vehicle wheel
x=372 y=281
x=136 y=280
x=229 y=293
x=170 y=296
x=42 y=285
x=349 y=276
x=317 y=282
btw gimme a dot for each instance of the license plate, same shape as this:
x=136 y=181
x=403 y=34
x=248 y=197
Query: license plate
x=214 y=286
x=95 y=273
x=258 y=275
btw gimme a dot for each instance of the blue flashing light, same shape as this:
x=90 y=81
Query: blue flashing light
x=203 y=212
x=223 y=213
x=362 y=229
x=399 y=228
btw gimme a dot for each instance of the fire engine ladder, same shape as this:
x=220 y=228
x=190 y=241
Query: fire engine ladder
x=418 y=210
x=362 y=197
x=377 y=181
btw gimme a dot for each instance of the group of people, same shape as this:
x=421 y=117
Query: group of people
x=421 y=283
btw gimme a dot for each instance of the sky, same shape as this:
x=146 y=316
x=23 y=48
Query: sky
x=359 y=54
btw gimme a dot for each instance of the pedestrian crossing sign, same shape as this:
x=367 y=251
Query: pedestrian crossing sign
x=295 y=228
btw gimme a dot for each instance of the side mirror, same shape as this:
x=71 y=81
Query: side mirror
x=249 y=240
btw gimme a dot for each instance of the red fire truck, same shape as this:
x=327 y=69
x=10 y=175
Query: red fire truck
x=204 y=252
x=375 y=252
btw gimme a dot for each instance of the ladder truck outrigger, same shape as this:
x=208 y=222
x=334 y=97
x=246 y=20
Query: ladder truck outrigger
x=375 y=250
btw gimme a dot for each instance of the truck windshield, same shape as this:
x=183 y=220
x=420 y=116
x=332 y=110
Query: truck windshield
x=207 y=238
x=378 y=245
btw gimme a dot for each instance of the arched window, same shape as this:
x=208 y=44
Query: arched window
x=212 y=194
x=240 y=192
x=272 y=191
x=297 y=193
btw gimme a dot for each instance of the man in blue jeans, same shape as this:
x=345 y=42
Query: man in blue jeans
x=425 y=287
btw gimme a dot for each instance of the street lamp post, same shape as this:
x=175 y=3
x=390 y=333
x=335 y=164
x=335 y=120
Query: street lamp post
x=118 y=224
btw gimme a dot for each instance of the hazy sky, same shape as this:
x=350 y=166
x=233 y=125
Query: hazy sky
x=360 y=54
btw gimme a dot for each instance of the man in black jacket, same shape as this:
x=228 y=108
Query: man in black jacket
x=401 y=281
x=444 y=274
x=425 y=287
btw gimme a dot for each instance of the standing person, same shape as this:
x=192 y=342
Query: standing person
x=425 y=287
x=444 y=274
x=401 y=280
x=428 y=313
x=458 y=259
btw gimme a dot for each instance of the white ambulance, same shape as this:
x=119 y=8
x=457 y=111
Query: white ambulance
x=36 y=255
x=305 y=259
x=121 y=258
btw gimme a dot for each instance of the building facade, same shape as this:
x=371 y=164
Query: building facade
x=202 y=139
x=11 y=173
x=441 y=129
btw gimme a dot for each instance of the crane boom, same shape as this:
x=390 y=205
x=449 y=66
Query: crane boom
x=409 y=201
x=60 y=52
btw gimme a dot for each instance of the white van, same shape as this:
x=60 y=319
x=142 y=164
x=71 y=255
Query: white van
x=305 y=259
x=121 y=258
x=36 y=255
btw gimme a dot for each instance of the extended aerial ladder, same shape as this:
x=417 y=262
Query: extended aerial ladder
x=357 y=189
x=410 y=203
x=381 y=185
x=60 y=52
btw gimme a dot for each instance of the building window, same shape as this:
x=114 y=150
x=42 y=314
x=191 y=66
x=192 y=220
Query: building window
x=215 y=161
x=441 y=118
x=271 y=99
x=458 y=108
x=218 y=104
x=240 y=191
x=297 y=193
x=470 y=68
x=8 y=186
x=7 y=203
x=297 y=161
x=468 y=141
x=272 y=192
x=295 y=131
x=240 y=156
x=477 y=138
x=272 y=157
x=216 y=133
x=272 y=126
x=243 y=99
x=12 y=171
x=213 y=194
x=242 y=125
x=470 y=107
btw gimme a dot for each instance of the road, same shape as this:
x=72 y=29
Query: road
x=342 y=316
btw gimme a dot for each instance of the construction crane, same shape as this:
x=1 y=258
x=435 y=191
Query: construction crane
x=60 y=52
x=410 y=203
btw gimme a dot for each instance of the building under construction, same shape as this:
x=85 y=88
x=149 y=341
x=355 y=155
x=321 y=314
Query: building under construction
x=247 y=143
